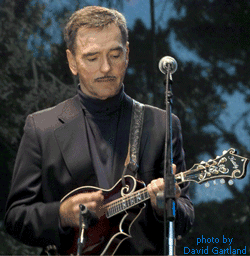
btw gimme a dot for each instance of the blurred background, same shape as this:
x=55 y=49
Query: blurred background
x=210 y=41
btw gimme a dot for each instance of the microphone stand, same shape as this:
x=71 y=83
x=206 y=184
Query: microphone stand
x=82 y=227
x=168 y=197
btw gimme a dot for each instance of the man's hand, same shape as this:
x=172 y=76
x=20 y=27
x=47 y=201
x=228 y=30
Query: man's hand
x=69 y=209
x=156 y=186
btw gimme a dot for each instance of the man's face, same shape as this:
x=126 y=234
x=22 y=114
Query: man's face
x=100 y=60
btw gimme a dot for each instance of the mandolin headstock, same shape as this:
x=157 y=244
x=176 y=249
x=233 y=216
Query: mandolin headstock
x=228 y=165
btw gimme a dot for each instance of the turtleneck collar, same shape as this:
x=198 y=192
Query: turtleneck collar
x=100 y=107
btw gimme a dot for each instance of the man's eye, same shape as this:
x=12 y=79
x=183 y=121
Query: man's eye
x=92 y=59
x=116 y=56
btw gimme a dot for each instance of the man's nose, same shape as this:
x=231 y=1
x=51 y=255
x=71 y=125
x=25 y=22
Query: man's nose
x=105 y=65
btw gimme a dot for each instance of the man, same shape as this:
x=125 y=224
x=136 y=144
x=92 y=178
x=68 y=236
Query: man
x=84 y=142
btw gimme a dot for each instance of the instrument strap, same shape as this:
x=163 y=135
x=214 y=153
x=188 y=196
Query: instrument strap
x=132 y=159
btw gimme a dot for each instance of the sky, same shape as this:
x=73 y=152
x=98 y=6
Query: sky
x=133 y=10
x=235 y=102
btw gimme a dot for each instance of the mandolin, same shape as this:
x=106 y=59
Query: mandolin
x=125 y=201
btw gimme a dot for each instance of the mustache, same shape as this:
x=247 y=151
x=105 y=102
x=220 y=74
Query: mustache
x=99 y=79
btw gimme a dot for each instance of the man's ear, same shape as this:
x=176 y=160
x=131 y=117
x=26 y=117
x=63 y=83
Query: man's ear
x=127 y=53
x=72 y=62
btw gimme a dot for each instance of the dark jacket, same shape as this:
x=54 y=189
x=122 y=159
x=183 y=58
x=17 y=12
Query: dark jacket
x=53 y=159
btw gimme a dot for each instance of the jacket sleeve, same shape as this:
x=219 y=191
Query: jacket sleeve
x=184 y=210
x=152 y=164
x=29 y=218
x=184 y=206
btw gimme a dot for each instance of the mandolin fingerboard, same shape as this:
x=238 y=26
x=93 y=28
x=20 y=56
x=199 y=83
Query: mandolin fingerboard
x=126 y=202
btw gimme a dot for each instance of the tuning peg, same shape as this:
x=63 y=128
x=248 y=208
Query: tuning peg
x=208 y=174
x=222 y=181
x=230 y=182
x=222 y=161
x=201 y=167
x=215 y=171
x=207 y=185
x=210 y=161
x=223 y=169
x=214 y=181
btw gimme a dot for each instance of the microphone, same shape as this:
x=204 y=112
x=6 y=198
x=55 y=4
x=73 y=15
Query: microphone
x=165 y=61
x=89 y=217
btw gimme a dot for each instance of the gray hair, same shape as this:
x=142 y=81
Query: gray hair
x=93 y=17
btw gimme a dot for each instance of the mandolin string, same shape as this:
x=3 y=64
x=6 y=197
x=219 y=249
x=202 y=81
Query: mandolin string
x=126 y=197
x=119 y=201
x=116 y=204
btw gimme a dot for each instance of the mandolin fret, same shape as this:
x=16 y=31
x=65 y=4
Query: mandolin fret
x=106 y=236
x=229 y=165
x=127 y=202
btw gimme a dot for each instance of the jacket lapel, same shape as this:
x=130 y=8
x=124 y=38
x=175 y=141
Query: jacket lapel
x=121 y=146
x=73 y=142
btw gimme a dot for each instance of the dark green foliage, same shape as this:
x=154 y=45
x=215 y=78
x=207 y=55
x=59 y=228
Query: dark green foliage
x=27 y=83
x=230 y=219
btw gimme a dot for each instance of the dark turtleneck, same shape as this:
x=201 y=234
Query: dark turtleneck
x=102 y=119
